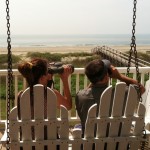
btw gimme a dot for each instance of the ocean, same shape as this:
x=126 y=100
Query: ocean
x=74 y=40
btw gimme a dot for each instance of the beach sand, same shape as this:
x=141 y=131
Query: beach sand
x=22 y=51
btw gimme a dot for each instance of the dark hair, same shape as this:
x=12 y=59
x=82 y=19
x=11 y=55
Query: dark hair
x=95 y=71
x=33 y=70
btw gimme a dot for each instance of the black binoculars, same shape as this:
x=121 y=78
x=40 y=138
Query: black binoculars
x=57 y=67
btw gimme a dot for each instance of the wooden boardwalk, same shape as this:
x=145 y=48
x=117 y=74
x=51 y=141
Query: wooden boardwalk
x=118 y=58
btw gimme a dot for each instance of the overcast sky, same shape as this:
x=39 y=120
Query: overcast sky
x=75 y=16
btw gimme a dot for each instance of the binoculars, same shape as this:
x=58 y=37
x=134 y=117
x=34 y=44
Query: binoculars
x=57 y=67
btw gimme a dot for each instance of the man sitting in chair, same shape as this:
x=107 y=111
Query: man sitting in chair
x=98 y=73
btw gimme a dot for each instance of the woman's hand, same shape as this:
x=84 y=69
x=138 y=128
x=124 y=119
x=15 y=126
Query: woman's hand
x=67 y=71
x=66 y=99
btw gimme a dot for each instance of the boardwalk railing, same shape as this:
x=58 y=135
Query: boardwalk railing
x=77 y=81
x=117 y=57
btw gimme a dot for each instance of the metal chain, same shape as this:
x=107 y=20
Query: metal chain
x=133 y=50
x=133 y=39
x=10 y=73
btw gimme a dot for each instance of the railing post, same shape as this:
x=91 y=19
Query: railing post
x=16 y=90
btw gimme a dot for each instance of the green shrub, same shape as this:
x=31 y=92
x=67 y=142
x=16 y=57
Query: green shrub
x=4 y=61
x=81 y=63
x=144 y=56
x=48 y=56
x=4 y=58
x=81 y=54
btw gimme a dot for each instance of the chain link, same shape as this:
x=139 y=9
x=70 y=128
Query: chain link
x=10 y=73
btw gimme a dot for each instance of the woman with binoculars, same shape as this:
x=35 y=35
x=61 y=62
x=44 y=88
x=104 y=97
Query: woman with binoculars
x=37 y=71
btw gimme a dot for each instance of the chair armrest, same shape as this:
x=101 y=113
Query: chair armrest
x=4 y=138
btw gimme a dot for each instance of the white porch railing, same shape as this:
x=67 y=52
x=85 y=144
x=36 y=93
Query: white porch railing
x=77 y=81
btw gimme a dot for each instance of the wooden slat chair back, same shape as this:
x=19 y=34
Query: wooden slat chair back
x=39 y=129
x=114 y=122
x=146 y=102
x=146 y=98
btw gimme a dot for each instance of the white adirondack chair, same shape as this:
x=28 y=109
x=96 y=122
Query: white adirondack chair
x=114 y=123
x=38 y=138
x=114 y=129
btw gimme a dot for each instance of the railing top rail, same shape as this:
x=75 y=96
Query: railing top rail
x=81 y=70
